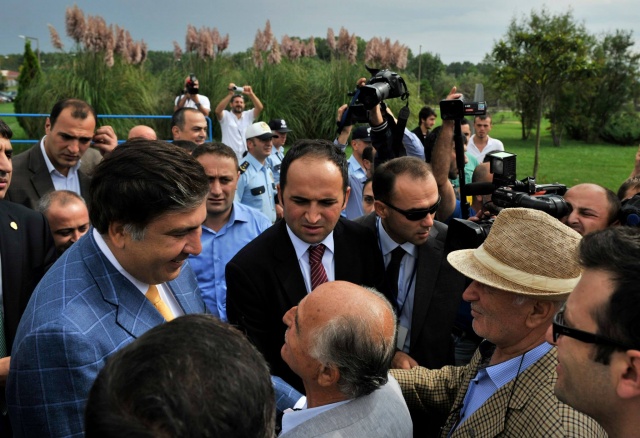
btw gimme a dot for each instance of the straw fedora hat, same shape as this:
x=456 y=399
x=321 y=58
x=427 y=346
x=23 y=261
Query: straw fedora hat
x=527 y=252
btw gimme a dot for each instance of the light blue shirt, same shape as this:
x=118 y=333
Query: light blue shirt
x=406 y=278
x=491 y=378
x=292 y=419
x=357 y=177
x=412 y=144
x=256 y=187
x=275 y=161
x=61 y=182
x=245 y=224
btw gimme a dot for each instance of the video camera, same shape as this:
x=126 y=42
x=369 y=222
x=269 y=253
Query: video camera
x=191 y=86
x=506 y=192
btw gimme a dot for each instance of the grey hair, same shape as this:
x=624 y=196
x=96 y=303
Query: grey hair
x=136 y=232
x=62 y=196
x=357 y=346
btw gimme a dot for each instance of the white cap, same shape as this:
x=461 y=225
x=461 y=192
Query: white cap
x=260 y=130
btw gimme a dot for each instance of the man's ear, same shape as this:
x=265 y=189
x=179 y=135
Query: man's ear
x=381 y=209
x=117 y=234
x=328 y=376
x=540 y=313
x=626 y=369
x=279 y=189
x=175 y=130
x=346 y=196
x=47 y=126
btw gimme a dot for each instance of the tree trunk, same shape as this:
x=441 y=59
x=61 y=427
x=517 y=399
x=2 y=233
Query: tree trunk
x=536 y=159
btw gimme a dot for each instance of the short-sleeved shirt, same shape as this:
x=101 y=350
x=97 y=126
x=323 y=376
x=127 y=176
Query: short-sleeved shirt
x=492 y=146
x=233 y=130
x=256 y=187
x=204 y=101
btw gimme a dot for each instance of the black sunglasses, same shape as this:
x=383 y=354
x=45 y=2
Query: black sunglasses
x=560 y=328
x=415 y=215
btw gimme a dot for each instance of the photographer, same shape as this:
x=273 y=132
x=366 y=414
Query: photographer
x=234 y=123
x=190 y=97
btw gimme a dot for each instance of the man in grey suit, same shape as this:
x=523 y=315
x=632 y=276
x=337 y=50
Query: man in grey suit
x=125 y=276
x=340 y=340
x=54 y=163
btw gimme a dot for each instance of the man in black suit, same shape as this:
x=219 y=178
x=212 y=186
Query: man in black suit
x=277 y=269
x=26 y=252
x=54 y=163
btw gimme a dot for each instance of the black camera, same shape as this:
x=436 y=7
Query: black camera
x=506 y=192
x=630 y=211
x=457 y=109
x=384 y=84
x=192 y=87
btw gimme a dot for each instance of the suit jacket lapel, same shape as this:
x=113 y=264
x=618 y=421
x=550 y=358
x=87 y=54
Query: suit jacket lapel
x=40 y=178
x=11 y=250
x=429 y=259
x=134 y=312
x=185 y=290
x=287 y=268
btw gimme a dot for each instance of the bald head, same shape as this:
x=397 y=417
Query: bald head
x=340 y=340
x=142 y=131
x=593 y=208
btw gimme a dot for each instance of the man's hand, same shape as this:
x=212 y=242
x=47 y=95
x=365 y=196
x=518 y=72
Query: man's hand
x=248 y=90
x=453 y=94
x=403 y=361
x=105 y=139
x=4 y=370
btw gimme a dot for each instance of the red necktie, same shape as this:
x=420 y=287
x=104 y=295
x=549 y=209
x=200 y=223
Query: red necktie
x=318 y=274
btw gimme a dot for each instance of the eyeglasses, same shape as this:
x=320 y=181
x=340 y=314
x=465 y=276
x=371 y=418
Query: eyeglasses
x=418 y=214
x=560 y=328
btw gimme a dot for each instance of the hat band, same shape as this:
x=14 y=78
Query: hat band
x=559 y=285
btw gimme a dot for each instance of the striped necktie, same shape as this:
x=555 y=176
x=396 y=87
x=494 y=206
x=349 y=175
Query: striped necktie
x=318 y=274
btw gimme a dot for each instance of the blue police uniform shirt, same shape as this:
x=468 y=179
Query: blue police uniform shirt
x=245 y=224
x=357 y=177
x=275 y=161
x=256 y=187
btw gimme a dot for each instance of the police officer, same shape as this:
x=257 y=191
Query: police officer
x=279 y=129
x=256 y=186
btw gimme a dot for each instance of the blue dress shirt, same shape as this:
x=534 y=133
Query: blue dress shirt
x=256 y=187
x=244 y=225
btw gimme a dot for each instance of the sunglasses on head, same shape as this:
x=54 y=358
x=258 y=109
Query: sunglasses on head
x=416 y=214
x=560 y=328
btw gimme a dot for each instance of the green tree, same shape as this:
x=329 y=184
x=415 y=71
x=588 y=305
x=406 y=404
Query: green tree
x=537 y=56
x=29 y=73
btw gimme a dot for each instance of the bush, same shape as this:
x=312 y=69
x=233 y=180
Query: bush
x=623 y=129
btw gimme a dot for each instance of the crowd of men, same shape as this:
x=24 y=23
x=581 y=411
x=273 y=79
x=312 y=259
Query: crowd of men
x=299 y=292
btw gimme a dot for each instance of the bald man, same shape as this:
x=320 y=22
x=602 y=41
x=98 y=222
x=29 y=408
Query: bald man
x=340 y=340
x=68 y=217
x=593 y=208
x=142 y=131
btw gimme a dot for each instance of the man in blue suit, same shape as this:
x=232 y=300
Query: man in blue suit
x=125 y=276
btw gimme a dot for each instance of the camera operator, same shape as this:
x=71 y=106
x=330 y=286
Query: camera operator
x=593 y=208
x=190 y=97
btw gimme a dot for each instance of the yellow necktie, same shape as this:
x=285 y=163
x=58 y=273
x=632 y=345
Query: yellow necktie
x=154 y=296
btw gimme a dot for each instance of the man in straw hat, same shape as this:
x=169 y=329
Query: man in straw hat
x=521 y=276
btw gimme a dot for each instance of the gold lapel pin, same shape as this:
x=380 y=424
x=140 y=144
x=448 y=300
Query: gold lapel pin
x=14 y=225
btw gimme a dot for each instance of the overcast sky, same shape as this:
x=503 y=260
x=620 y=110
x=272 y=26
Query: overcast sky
x=464 y=30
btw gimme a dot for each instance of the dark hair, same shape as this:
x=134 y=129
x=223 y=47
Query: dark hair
x=219 y=149
x=235 y=96
x=630 y=183
x=367 y=153
x=63 y=196
x=320 y=149
x=187 y=145
x=79 y=110
x=484 y=117
x=616 y=251
x=426 y=112
x=384 y=177
x=5 y=130
x=614 y=205
x=194 y=376
x=142 y=180
x=464 y=121
x=177 y=119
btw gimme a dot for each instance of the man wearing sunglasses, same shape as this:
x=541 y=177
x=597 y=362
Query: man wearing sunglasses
x=420 y=283
x=597 y=333
x=521 y=275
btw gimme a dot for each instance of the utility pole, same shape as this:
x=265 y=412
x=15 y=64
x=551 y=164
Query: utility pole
x=419 y=68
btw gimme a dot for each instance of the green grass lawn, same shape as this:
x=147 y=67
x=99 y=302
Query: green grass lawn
x=18 y=133
x=571 y=163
